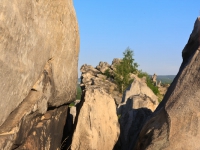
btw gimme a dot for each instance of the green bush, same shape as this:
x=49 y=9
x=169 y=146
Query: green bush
x=142 y=74
x=107 y=73
x=151 y=85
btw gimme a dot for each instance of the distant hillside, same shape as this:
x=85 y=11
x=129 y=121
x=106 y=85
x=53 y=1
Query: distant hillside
x=166 y=78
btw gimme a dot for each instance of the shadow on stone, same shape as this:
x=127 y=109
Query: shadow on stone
x=131 y=123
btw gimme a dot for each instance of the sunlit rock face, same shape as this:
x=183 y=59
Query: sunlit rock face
x=175 y=123
x=39 y=46
x=97 y=123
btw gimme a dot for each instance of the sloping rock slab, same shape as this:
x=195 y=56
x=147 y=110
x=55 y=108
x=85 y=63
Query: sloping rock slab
x=38 y=132
x=130 y=126
x=97 y=125
x=175 y=123
x=132 y=119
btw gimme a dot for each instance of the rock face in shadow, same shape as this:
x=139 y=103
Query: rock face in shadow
x=43 y=132
x=97 y=123
x=130 y=126
x=175 y=123
x=39 y=46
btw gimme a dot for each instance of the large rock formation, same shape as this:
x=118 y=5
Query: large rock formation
x=154 y=79
x=91 y=76
x=139 y=87
x=39 y=46
x=103 y=66
x=138 y=103
x=97 y=125
x=175 y=123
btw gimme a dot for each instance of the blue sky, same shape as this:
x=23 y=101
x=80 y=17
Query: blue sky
x=156 y=30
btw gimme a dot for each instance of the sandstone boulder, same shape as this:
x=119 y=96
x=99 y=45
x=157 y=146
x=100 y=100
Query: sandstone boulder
x=130 y=125
x=89 y=69
x=139 y=87
x=35 y=33
x=94 y=77
x=115 y=62
x=153 y=78
x=97 y=123
x=138 y=103
x=174 y=124
x=39 y=46
x=43 y=132
x=103 y=66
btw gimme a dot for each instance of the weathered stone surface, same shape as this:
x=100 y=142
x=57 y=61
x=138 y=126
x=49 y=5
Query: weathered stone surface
x=91 y=76
x=89 y=69
x=103 y=66
x=139 y=87
x=37 y=132
x=138 y=103
x=34 y=34
x=39 y=46
x=97 y=125
x=115 y=62
x=130 y=126
x=154 y=79
x=175 y=123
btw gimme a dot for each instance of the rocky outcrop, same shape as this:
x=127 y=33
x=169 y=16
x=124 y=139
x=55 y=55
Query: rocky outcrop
x=97 y=123
x=115 y=62
x=43 y=132
x=138 y=103
x=133 y=109
x=94 y=77
x=138 y=88
x=103 y=66
x=39 y=45
x=130 y=126
x=153 y=78
x=174 y=124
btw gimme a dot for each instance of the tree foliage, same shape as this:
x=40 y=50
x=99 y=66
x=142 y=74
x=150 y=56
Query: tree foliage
x=124 y=69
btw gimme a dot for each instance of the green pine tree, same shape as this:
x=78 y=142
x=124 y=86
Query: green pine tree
x=124 y=69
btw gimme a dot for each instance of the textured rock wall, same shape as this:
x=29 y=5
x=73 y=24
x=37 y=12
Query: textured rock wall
x=139 y=102
x=95 y=77
x=39 y=46
x=175 y=123
x=97 y=123
x=38 y=132
x=32 y=34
